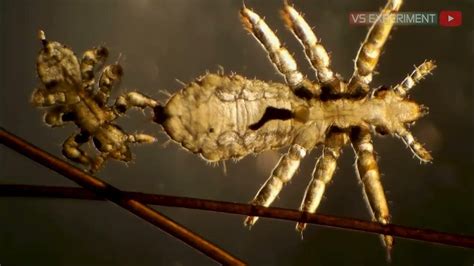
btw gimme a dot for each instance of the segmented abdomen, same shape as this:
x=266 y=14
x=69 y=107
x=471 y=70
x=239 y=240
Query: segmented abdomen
x=213 y=115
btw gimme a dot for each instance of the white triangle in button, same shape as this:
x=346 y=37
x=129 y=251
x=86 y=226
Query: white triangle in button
x=450 y=18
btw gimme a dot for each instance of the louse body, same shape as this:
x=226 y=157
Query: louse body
x=225 y=117
x=70 y=94
x=228 y=117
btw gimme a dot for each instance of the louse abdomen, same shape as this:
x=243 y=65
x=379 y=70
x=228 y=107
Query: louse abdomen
x=227 y=117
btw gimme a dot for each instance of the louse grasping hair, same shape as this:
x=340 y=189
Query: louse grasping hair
x=71 y=94
x=225 y=117
x=357 y=86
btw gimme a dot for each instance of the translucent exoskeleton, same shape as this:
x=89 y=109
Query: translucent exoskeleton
x=71 y=94
x=225 y=117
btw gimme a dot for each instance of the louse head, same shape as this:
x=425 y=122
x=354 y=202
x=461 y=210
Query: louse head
x=399 y=110
x=407 y=111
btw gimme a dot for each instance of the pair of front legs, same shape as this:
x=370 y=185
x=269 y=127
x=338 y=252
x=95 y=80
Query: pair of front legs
x=72 y=149
x=318 y=57
x=61 y=114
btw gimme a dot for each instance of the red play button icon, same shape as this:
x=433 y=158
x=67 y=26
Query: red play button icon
x=450 y=18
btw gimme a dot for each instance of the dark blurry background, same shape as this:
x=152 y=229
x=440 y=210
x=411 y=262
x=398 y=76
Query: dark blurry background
x=161 y=41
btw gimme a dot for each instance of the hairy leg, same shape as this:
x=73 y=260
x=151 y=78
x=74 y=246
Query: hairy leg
x=402 y=89
x=72 y=150
x=90 y=59
x=140 y=138
x=98 y=163
x=281 y=174
x=415 y=77
x=133 y=99
x=58 y=116
x=370 y=50
x=109 y=79
x=322 y=174
x=314 y=50
x=277 y=53
x=418 y=150
x=369 y=175
x=44 y=97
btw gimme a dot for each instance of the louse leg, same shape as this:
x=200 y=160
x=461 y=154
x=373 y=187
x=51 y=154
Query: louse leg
x=90 y=59
x=277 y=53
x=418 y=150
x=314 y=50
x=281 y=174
x=98 y=163
x=369 y=175
x=109 y=78
x=72 y=151
x=122 y=151
x=140 y=138
x=58 y=116
x=322 y=174
x=44 y=98
x=369 y=52
x=416 y=76
x=133 y=99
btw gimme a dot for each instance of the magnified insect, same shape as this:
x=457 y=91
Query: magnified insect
x=70 y=93
x=225 y=117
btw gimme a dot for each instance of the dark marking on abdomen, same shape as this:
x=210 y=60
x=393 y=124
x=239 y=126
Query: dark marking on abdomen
x=272 y=113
